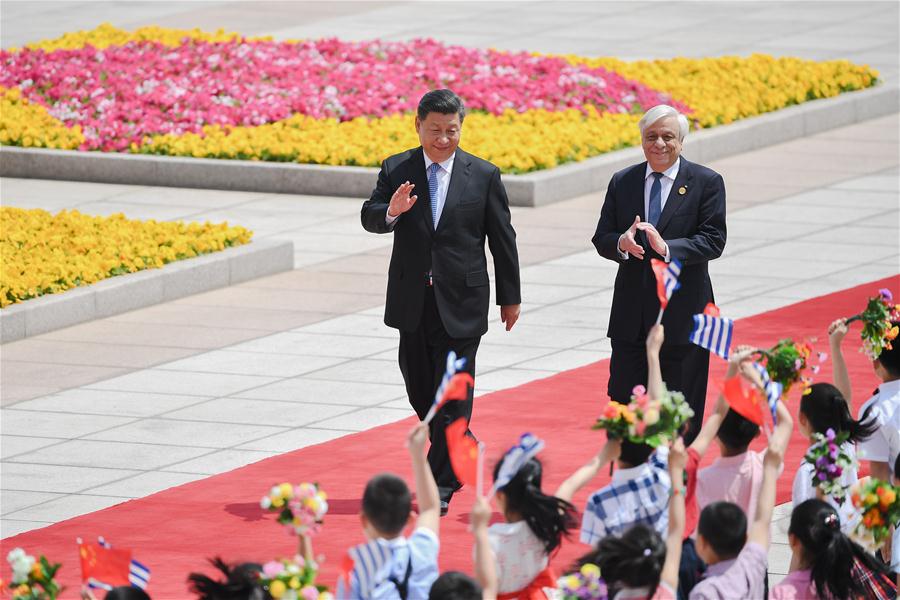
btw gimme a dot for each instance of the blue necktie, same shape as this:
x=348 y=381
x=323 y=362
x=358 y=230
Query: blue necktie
x=655 y=200
x=433 y=190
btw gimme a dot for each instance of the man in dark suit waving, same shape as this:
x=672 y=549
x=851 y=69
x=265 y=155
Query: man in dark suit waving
x=441 y=203
x=665 y=208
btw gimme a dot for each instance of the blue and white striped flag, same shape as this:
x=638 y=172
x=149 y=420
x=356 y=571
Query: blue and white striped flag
x=772 y=389
x=371 y=566
x=713 y=333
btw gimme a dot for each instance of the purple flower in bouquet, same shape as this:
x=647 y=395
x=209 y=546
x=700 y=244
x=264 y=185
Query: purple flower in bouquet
x=829 y=460
x=886 y=294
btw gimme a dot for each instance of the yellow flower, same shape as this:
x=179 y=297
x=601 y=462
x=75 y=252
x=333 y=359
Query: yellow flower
x=277 y=588
x=590 y=570
x=43 y=254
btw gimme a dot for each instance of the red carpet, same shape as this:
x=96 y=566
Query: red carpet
x=173 y=531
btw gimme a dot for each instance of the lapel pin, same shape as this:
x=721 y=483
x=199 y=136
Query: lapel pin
x=682 y=190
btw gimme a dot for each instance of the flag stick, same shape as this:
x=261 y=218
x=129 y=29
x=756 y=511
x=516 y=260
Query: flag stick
x=659 y=318
x=479 y=486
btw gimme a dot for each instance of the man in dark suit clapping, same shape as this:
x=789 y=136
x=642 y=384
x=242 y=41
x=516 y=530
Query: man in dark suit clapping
x=441 y=204
x=665 y=208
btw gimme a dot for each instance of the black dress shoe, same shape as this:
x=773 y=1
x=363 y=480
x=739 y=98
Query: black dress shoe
x=445 y=507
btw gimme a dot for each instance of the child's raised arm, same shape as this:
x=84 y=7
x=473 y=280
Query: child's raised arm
x=765 y=503
x=836 y=332
x=711 y=425
x=582 y=476
x=426 y=489
x=677 y=462
x=655 y=338
x=485 y=564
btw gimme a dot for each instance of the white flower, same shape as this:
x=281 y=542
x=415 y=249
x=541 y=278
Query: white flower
x=265 y=503
x=21 y=564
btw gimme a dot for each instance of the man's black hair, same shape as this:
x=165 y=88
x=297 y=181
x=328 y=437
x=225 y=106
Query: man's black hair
x=444 y=102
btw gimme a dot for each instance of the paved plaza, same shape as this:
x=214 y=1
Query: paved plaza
x=126 y=406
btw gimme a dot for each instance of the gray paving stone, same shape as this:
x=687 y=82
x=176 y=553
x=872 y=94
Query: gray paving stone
x=14 y=500
x=143 y=484
x=58 y=478
x=182 y=382
x=196 y=431
x=295 y=439
x=113 y=403
x=245 y=411
x=220 y=461
x=66 y=507
x=108 y=455
x=55 y=425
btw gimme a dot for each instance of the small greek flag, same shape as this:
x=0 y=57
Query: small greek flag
x=772 y=389
x=370 y=562
x=666 y=279
x=713 y=333
x=515 y=458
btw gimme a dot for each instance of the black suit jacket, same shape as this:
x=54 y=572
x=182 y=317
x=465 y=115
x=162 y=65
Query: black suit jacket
x=476 y=208
x=692 y=224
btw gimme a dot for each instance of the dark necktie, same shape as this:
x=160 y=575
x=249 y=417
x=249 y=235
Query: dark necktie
x=655 y=200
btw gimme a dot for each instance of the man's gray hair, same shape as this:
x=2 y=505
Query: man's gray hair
x=661 y=111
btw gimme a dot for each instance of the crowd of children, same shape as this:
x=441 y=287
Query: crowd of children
x=660 y=529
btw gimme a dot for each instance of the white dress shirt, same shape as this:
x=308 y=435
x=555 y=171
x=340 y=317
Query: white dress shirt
x=666 y=182
x=443 y=184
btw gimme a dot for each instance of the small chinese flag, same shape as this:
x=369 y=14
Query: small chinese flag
x=746 y=402
x=457 y=389
x=463 y=452
x=110 y=566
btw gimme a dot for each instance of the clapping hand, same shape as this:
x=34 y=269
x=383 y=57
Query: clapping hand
x=627 y=243
x=656 y=241
x=401 y=201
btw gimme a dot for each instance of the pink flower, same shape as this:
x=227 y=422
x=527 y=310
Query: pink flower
x=273 y=569
x=123 y=93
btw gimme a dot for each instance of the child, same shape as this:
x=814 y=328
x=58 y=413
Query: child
x=692 y=567
x=823 y=407
x=830 y=564
x=520 y=547
x=737 y=565
x=241 y=581
x=453 y=585
x=638 y=564
x=386 y=508
x=639 y=490
x=736 y=475
x=883 y=408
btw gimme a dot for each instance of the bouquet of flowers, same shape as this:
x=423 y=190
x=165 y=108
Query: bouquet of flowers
x=879 y=507
x=786 y=361
x=32 y=579
x=586 y=584
x=829 y=460
x=878 y=320
x=293 y=579
x=646 y=421
x=300 y=508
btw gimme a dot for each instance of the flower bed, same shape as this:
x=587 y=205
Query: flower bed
x=189 y=93
x=42 y=253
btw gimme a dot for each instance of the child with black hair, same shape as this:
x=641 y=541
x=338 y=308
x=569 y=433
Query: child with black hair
x=453 y=585
x=519 y=549
x=736 y=475
x=831 y=566
x=386 y=509
x=639 y=489
x=638 y=564
x=241 y=582
x=737 y=561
